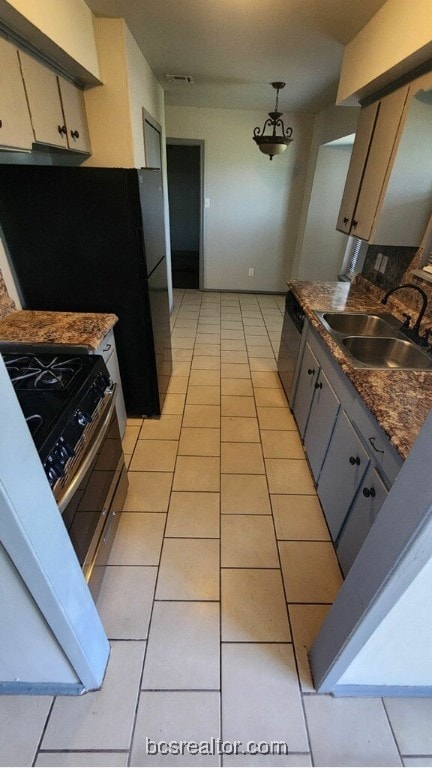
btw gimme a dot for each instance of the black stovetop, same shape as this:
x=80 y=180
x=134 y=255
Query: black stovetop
x=52 y=388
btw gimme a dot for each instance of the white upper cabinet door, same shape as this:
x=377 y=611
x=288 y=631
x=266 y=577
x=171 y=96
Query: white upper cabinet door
x=44 y=102
x=364 y=132
x=15 y=126
x=378 y=165
x=75 y=117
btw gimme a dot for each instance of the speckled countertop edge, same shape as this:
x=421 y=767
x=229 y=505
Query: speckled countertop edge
x=36 y=327
x=400 y=400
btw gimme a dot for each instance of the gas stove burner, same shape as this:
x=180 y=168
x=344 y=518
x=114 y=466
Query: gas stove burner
x=32 y=372
x=34 y=422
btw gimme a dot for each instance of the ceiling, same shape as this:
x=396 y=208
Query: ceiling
x=233 y=49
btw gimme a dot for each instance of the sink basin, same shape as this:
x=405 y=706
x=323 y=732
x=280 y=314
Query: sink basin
x=358 y=324
x=381 y=352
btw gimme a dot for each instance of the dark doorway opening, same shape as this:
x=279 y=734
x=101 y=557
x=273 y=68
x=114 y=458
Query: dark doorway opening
x=184 y=194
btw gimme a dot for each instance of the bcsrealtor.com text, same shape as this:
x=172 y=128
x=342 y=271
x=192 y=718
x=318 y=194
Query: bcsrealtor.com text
x=216 y=747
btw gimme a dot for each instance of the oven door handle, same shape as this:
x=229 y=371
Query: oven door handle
x=93 y=448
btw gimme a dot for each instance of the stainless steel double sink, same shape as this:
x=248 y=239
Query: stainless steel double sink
x=373 y=340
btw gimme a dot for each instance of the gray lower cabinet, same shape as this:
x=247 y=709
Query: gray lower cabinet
x=322 y=418
x=305 y=388
x=369 y=500
x=342 y=472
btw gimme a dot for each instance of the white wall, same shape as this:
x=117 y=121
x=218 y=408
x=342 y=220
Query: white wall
x=254 y=203
x=330 y=124
x=323 y=246
x=397 y=39
x=399 y=651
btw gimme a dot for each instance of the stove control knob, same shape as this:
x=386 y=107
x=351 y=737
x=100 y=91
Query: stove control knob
x=82 y=418
x=64 y=451
x=53 y=471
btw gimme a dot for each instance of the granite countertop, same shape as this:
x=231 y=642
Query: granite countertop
x=35 y=327
x=400 y=400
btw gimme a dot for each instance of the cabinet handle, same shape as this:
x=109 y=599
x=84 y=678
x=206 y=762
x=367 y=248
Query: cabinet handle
x=61 y=129
x=369 y=492
x=354 y=460
x=109 y=525
x=318 y=385
x=345 y=220
x=75 y=134
x=311 y=371
x=105 y=349
x=1 y=123
x=372 y=442
x=354 y=223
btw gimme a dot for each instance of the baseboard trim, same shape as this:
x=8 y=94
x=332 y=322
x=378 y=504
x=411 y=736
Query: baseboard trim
x=15 y=688
x=380 y=691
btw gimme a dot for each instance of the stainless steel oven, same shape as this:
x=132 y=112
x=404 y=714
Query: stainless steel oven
x=92 y=498
x=290 y=345
x=69 y=404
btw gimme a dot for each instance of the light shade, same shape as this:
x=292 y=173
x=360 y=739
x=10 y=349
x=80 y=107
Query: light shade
x=273 y=143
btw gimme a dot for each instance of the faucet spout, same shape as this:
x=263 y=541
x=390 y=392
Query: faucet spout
x=415 y=332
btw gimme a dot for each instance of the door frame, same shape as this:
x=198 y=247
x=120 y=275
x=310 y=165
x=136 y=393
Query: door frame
x=201 y=144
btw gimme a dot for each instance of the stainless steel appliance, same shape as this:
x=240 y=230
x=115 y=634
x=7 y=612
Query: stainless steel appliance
x=68 y=401
x=290 y=344
x=93 y=240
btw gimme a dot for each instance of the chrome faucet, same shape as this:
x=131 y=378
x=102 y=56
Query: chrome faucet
x=414 y=332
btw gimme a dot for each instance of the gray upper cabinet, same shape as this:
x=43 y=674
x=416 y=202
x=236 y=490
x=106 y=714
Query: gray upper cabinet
x=56 y=107
x=15 y=126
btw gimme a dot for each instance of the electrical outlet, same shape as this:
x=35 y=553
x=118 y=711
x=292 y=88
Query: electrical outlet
x=251 y=272
x=378 y=260
x=383 y=265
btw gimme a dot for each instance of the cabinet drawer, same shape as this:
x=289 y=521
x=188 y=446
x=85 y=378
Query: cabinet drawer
x=384 y=455
x=342 y=472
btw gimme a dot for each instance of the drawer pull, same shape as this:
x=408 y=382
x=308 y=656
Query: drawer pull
x=372 y=442
x=109 y=527
x=108 y=346
x=369 y=492
x=354 y=460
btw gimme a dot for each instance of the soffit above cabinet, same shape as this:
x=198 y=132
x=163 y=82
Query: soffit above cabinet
x=17 y=29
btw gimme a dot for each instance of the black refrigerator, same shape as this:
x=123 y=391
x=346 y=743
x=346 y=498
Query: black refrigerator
x=92 y=240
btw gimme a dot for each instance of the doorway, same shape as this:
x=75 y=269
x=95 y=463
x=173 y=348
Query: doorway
x=184 y=171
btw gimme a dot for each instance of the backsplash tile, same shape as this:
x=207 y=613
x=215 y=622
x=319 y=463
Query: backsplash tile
x=402 y=262
x=399 y=261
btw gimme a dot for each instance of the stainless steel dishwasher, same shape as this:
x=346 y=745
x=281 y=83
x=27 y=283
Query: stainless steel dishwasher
x=290 y=344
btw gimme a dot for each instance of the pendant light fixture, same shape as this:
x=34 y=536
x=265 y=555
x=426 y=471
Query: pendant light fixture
x=273 y=143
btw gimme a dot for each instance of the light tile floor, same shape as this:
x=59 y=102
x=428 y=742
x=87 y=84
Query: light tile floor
x=219 y=579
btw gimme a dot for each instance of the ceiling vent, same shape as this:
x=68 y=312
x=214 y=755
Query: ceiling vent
x=180 y=79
